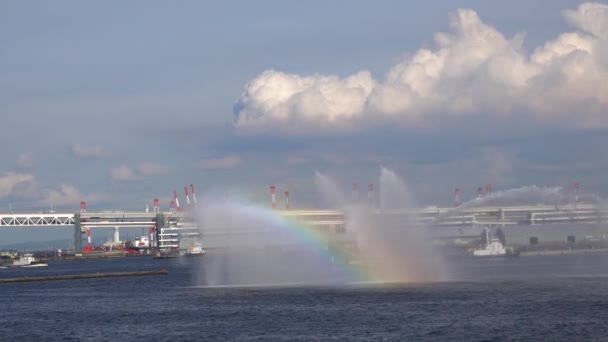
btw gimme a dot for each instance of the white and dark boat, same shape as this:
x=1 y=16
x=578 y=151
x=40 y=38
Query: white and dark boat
x=28 y=260
x=195 y=250
x=141 y=242
x=492 y=246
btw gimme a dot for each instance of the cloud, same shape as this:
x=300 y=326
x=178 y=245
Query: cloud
x=24 y=161
x=275 y=97
x=10 y=180
x=590 y=17
x=83 y=151
x=297 y=159
x=66 y=195
x=151 y=169
x=123 y=173
x=324 y=156
x=498 y=164
x=474 y=70
x=227 y=162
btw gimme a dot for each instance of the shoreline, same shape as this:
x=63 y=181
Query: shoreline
x=548 y=252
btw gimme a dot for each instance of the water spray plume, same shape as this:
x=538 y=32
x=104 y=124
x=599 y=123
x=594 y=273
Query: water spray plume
x=526 y=195
x=331 y=195
x=255 y=245
x=258 y=246
x=388 y=243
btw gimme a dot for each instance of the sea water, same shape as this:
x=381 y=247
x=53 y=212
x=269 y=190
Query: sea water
x=557 y=298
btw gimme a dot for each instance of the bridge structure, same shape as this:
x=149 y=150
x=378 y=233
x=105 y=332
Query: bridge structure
x=169 y=227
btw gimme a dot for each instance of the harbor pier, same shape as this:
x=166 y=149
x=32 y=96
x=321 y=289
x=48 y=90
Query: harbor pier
x=167 y=229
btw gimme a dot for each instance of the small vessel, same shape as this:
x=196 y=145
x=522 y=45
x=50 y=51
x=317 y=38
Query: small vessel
x=492 y=246
x=167 y=254
x=28 y=260
x=141 y=242
x=195 y=250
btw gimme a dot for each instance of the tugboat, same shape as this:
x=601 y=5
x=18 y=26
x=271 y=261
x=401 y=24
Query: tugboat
x=28 y=260
x=195 y=250
x=167 y=253
x=492 y=246
x=141 y=242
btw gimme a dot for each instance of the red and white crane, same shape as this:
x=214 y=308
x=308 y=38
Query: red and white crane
x=457 y=200
x=176 y=200
x=273 y=196
x=286 y=199
x=577 y=188
x=193 y=195
x=89 y=246
x=187 y=196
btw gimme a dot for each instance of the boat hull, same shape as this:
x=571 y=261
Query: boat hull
x=495 y=256
x=194 y=255
x=35 y=265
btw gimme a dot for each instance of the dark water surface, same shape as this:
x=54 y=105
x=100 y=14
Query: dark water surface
x=549 y=298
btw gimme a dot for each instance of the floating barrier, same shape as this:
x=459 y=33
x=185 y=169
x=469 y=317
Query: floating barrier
x=84 y=276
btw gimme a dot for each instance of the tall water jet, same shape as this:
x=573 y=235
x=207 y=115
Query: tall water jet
x=391 y=245
x=525 y=195
x=331 y=195
x=253 y=245
x=394 y=194
x=397 y=243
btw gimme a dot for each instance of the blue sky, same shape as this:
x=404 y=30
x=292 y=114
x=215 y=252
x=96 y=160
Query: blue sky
x=119 y=102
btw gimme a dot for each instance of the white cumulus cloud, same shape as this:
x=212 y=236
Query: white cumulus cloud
x=472 y=70
x=24 y=161
x=66 y=195
x=151 y=169
x=122 y=173
x=227 y=162
x=9 y=180
x=125 y=173
x=276 y=97
x=85 y=151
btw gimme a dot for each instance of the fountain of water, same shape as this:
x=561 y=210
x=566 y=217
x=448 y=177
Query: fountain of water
x=253 y=246
x=331 y=195
x=391 y=245
x=526 y=195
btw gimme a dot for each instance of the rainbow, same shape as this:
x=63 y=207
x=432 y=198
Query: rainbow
x=314 y=241
x=377 y=261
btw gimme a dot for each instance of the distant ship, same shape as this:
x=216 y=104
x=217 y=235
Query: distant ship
x=27 y=260
x=195 y=250
x=141 y=242
x=492 y=246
